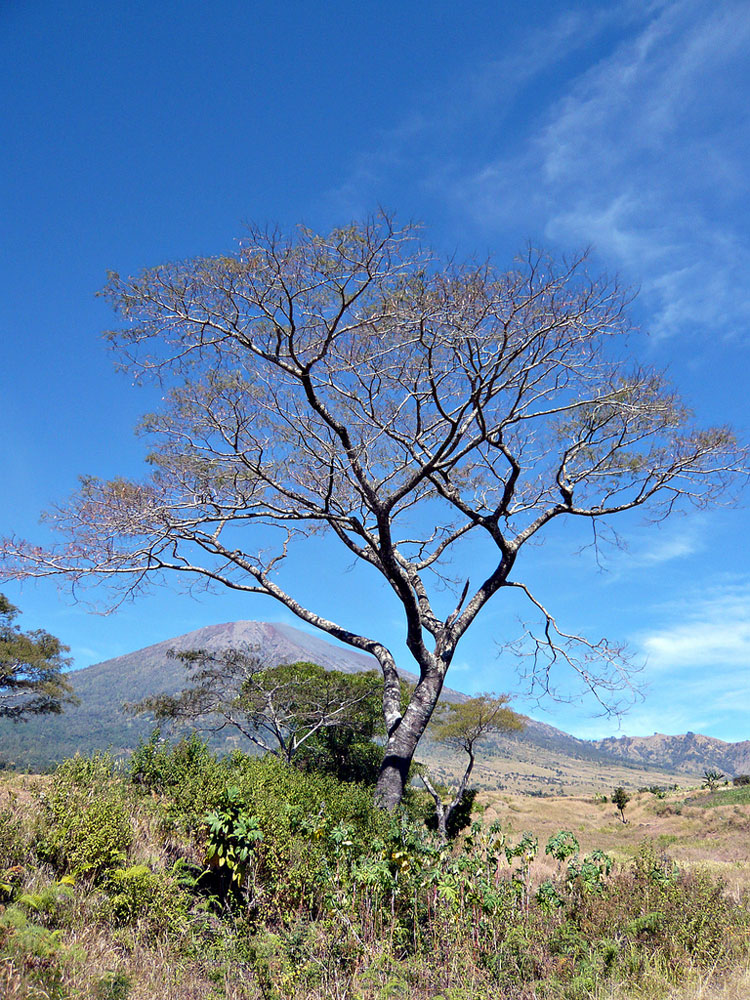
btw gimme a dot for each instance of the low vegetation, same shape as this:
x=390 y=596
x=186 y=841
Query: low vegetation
x=184 y=875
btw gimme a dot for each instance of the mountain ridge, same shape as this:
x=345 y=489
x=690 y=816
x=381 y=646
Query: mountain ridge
x=99 y=723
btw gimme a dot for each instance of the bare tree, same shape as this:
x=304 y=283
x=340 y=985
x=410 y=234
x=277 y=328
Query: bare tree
x=355 y=385
x=463 y=726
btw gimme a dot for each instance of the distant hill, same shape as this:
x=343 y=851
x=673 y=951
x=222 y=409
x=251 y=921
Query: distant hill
x=690 y=752
x=539 y=758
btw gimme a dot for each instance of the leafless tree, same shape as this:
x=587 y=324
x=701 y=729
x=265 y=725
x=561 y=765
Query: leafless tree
x=356 y=385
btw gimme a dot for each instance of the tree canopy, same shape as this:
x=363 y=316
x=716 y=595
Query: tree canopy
x=279 y=709
x=355 y=385
x=464 y=725
x=31 y=665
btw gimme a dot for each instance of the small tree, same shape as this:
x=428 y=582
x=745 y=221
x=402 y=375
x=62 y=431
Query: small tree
x=463 y=726
x=31 y=670
x=620 y=798
x=279 y=709
x=711 y=779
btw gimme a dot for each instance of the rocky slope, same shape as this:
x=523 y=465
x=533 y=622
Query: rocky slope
x=690 y=752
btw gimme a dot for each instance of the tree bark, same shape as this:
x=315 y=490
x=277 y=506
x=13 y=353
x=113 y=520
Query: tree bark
x=440 y=814
x=403 y=739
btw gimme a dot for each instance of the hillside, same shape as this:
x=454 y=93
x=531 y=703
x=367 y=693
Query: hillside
x=540 y=759
x=689 y=752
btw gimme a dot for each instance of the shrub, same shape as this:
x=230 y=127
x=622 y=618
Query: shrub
x=14 y=846
x=140 y=894
x=112 y=986
x=294 y=824
x=190 y=779
x=36 y=953
x=49 y=905
x=711 y=779
x=83 y=827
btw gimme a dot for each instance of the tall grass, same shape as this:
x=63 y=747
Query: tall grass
x=188 y=876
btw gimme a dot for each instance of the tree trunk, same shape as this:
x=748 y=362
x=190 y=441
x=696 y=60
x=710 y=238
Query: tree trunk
x=440 y=814
x=402 y=741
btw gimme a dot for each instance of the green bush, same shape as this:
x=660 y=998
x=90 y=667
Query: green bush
x=190 y=779
x=341 y=753
x=38 y=954
x=112 y=986
x=50 y=905
x=84 y=825
x=296 y=819
x=14 y=846
x=328 y=895
x=140 y=894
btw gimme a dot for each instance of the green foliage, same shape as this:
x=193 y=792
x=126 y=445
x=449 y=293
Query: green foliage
x=590 y=872
x=562 y=845
x=342 y=753
x=31 y=669
x=13 y=840
x=113 y=986
x=620 y=798
x=186 y=774
x=463 y=724
x=739 y=780
x=140 y=894
x=37 y=953
x=301 y=817
x=279 y=709
x=732 y=796
x=232 y=836
x=49 y=904
x=712 y=779
x=325 y=895
x=84 y=826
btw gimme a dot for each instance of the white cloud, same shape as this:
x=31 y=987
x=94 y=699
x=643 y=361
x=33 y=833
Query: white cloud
x=713 y=630
x=644 y=156
x=701 y=644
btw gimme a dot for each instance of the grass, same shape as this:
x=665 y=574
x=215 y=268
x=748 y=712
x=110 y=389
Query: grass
x=335 y=939
x=739 y=796
x=696 y=830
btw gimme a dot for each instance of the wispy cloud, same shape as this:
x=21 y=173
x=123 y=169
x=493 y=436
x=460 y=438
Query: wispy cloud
x=639 y=149
x=434 y=143
x=650 y=547
x=701 y=643
x=712 y=630
x=644 y=156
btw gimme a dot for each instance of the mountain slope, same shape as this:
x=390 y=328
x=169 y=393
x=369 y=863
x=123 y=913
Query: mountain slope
x=99 y=722
x=689 y=752
x=539 y=758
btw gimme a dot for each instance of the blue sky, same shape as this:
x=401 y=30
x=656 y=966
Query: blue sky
x=143 y=132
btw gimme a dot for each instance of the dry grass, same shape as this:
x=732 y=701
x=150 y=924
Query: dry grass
x=716 y=838
x=735 y=986
x=529 y=769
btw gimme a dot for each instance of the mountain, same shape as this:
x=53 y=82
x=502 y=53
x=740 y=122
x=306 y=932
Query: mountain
x=689 y=752
x=540 y=758
x=99 y=723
